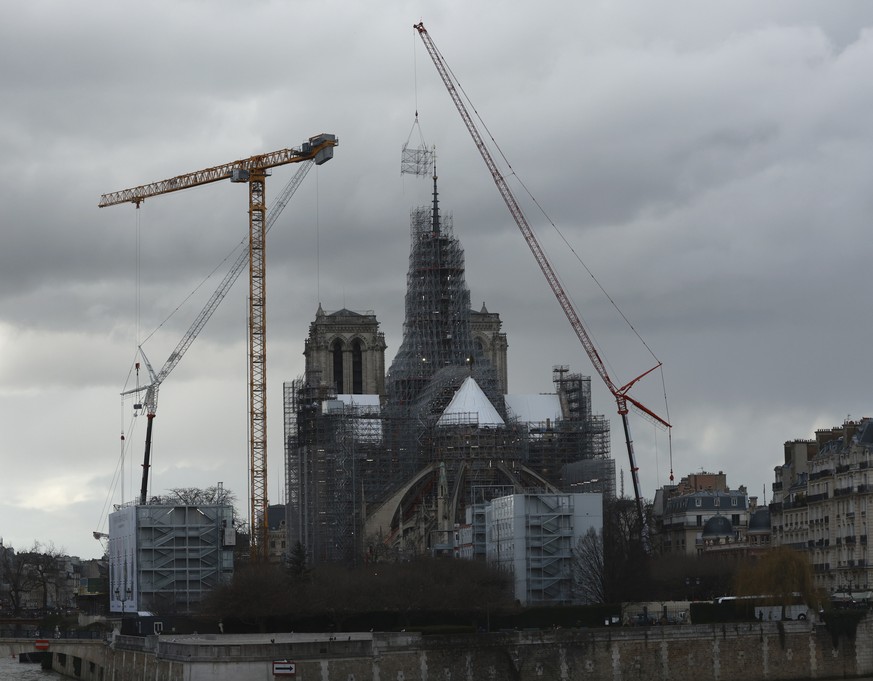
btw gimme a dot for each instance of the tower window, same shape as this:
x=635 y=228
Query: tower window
x=357 y=367
x=337 y=351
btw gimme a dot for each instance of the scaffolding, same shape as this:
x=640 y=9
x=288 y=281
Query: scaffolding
x=343 y=460
x=166 y=558
x=343 y=463
x=436 y=330
x=331 y=448
x=416 y=160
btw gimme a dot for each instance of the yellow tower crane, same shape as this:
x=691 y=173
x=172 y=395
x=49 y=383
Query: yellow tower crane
x=253 y=171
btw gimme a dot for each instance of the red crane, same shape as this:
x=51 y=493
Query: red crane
x=620 y=393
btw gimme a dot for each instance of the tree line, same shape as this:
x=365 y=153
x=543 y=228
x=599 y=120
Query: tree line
x=612 y=566
x=23 y=571
x=264 y=594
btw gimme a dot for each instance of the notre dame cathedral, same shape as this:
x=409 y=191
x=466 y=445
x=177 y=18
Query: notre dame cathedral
x=390 y=463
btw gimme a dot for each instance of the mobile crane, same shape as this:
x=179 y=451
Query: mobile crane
x=620 y=393
x=252 y=171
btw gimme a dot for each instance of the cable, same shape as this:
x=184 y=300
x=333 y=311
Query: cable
x=415 y=74
x=233 y=253
x=138 y=275
x=512 y=173
x=667 y=417
x=317 y=240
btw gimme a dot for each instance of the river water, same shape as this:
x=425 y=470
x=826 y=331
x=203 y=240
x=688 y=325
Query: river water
x=12 y=670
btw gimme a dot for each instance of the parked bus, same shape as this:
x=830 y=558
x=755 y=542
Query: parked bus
x=768 y=608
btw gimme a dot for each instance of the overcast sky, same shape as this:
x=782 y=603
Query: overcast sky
x=708 y=162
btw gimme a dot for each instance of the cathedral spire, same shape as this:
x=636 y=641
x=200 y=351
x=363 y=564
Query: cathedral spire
x=435 y=220
x=438 y=346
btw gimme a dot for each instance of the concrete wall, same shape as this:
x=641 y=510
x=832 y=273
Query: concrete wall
x=786 y=651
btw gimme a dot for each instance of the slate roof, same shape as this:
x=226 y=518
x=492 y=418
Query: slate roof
x=717 y=527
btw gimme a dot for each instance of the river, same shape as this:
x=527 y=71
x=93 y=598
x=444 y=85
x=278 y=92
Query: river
x=12 y=670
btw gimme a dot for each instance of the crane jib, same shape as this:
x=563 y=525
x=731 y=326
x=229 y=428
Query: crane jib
x=318 y=148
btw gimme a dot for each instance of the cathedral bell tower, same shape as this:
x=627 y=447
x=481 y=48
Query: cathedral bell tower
x=345 y=351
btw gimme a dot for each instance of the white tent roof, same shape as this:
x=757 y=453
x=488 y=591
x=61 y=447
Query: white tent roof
x=534 y=408
x=470 y=406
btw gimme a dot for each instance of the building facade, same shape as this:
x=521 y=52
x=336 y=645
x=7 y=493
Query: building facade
x=346 y=352
x=680 y=518
x=822 y=499
x=532 y=537
x=167 y=558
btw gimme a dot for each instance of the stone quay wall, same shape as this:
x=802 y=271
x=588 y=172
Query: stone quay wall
x=750 y=651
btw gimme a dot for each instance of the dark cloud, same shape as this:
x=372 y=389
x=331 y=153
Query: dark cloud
x=708 y=163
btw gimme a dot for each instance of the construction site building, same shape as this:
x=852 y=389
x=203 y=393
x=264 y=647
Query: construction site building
x=165 y=558
x=532 y=537
x=392 y=464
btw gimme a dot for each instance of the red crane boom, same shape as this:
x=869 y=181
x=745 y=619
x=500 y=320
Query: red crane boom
x=619 y=393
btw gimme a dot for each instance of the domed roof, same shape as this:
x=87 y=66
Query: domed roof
x=718 y=527
x=760 y=520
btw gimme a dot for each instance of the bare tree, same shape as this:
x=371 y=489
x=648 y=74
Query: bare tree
x=44 y=564
x=258 y=592
x=263 y=591
x=195 y=496
x=17 y=574
x=589 y=569
x=626 y=563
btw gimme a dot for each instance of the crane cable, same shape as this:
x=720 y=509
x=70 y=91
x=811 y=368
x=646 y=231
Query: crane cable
x=233 y=253
x=317 y=240
x=415 y=93
x=422 y=154
x=118 y=475
x=138 y=274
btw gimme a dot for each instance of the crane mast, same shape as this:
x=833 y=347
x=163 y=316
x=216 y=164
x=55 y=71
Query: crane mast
x=619 y=393
x=252 y=171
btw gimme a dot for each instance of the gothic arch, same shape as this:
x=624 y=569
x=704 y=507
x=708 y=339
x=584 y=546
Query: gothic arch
x=482 y=343
x=358 y=347
x=337 y=348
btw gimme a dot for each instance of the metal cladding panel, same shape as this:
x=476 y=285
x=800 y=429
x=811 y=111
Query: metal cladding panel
x=324 y=156
x=123 y=574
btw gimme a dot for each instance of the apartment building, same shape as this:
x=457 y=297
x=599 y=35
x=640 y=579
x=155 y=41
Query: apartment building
x=822 y=497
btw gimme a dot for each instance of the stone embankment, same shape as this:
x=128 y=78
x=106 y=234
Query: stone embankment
x=749 y=651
